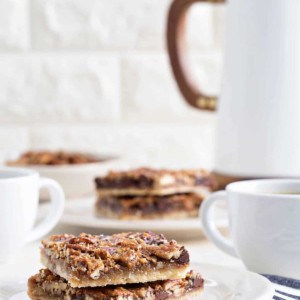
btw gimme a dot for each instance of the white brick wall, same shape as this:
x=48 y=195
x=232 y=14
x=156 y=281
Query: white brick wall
x=14 y=24
x=65 y=87
x=94 y=24
x=96 y=73
x=13 y=141
x=167 y=145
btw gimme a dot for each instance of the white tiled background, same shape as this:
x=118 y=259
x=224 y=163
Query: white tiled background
x=94 y=74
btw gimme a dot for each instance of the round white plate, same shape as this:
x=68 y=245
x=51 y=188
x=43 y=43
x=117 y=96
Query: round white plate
x=223 y=283
x=78 y=180
x=80 y=212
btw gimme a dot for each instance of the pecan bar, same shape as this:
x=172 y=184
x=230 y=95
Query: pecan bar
x=145 y=181
x=91 y=260
x=48 y=286
x=177 y=206
x=53 y=158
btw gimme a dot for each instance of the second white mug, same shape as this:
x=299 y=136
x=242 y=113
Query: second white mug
x=19 y=198
x=264 y=225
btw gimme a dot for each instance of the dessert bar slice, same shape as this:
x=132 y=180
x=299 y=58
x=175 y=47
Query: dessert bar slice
x=48 y=286
x=54 y=158
x=177 y=206
x=91 y=260
x=145 y=181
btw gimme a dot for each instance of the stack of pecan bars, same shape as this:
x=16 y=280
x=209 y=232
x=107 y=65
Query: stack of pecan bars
x=152 y=194
x=125 y=266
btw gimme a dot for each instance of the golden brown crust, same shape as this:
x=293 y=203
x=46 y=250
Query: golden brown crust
x=149 y=207
x=150 y=180
x=91 y=257
x=46 y=285
x=53 y=158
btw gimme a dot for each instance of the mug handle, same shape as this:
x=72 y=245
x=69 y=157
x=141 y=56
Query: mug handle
x=209 y=226
x=176 y=42
x=57 y=199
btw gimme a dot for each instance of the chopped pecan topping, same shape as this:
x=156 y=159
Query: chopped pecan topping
x=92 y=255
x=145 y=178
x=53 y=158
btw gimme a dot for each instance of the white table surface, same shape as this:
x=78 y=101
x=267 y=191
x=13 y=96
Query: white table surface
x=27 y=262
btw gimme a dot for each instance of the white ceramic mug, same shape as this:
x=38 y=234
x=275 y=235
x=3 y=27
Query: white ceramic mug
x=19 y=198
x=264 y=220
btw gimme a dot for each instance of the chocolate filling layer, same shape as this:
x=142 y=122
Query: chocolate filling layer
x=141 y=183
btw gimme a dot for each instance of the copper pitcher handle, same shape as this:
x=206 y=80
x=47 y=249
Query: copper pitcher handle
x=176 y=34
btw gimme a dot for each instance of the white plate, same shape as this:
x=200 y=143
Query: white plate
x=223 y=283
x=78 y=180
x=80 y=212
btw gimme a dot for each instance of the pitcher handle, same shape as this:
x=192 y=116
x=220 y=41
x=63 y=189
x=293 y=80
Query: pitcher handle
x=176 y=40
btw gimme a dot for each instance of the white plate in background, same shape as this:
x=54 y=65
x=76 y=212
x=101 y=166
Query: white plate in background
x=78 y=180
x=222 y=283
x=80 y=212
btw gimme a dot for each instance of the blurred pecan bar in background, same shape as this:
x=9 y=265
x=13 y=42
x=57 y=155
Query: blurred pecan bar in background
x=46 y=285
x=146 y=181
x=178 y=206
x=52 y=158
x=90 y=260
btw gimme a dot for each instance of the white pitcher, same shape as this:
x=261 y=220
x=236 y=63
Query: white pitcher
x=258 y=132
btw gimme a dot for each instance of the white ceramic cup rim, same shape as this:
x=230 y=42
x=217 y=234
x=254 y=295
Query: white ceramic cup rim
x=20 y=173
x=267 y=188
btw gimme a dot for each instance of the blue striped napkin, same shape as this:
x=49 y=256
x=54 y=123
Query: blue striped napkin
x=285 y=282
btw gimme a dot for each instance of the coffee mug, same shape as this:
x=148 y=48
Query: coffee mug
x=19 y=198
x=264 y=218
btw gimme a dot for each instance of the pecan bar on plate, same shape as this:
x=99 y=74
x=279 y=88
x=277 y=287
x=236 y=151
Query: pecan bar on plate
x=178 y=206
x=146 y=181
x=90 y=260
x=53 y=158
x=48 y=286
